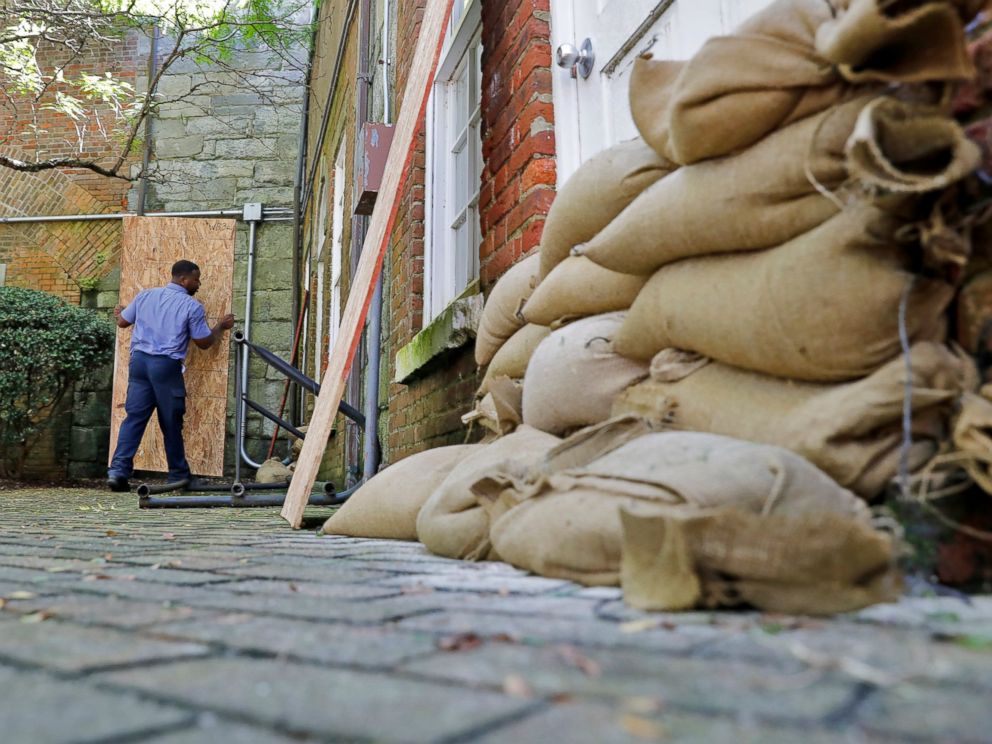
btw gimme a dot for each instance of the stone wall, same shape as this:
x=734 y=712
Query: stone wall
x=215 y=146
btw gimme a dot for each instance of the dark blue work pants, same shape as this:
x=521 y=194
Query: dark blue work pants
x=155 y=383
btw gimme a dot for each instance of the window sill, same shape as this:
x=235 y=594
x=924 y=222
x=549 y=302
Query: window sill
x=452 y=329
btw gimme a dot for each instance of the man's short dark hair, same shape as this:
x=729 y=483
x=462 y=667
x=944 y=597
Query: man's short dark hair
x=183 y=268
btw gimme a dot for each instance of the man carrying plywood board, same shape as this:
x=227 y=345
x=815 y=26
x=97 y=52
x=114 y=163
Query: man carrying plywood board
x=164 y=319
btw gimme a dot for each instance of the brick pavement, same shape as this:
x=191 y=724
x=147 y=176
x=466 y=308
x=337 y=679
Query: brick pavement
x=175 y=627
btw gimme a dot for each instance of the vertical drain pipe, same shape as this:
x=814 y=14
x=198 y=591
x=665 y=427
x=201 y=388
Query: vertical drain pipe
x=147 y=148
x=301 y=156
x=242 y=406
x=373 y=341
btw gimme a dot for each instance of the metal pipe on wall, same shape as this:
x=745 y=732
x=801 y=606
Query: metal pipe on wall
x=325 y=120
x=386 y=110
x=301 y=157
x=147 y=147
x=372 y=454
x=269 y=214
x=355 y=446
x=249 y=289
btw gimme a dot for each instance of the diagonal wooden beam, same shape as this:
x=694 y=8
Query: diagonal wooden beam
x=411 y=118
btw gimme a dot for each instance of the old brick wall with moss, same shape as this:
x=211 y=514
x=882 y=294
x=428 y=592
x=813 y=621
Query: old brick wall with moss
x=518 y=186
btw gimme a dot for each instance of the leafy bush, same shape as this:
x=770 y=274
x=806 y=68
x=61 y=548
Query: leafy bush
x=46 y=345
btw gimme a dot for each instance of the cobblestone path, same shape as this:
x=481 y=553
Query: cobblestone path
x=171 y=627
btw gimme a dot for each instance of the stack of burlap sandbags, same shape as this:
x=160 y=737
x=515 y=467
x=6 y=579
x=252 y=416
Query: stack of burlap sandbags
x=798 y=207
x=683 y=519
x=731 y=288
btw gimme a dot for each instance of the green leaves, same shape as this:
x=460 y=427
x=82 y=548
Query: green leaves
x=46 y=345
x=46 y=47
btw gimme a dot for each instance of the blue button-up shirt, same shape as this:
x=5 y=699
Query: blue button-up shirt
x=165 y=319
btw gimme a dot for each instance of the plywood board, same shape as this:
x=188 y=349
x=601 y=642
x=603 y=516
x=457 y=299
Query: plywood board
x=425 y=60
x=150 y=246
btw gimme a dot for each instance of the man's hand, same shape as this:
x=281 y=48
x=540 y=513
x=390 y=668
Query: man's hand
x=121 y=323
x=226 y=323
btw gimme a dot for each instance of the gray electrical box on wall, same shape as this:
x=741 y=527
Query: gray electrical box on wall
x=252 y=212
x=376 y=139
x=3 y=274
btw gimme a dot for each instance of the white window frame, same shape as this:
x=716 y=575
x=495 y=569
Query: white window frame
x=448 y=271
x=319 y=271
x=337 y=248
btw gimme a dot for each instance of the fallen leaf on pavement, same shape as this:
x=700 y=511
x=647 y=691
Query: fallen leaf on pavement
x=516 y=686
x=639 y=626
x=38 y=617
x=56 y=569
x=22 y=595
x=642 y=728
x=642 y=705
x=96 y=577
x=3 y=603
x=111 y=533
x=571 y=655
x=416 y=589
x=168 y=536
x=460 y=642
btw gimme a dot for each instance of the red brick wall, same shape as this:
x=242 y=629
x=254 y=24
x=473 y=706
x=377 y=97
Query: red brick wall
x=516 y=192
x=55 y=256
x=408 y=414
x=518 y=141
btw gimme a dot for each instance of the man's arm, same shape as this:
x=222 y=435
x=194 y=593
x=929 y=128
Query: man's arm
x=220 y=327
x=122 y=322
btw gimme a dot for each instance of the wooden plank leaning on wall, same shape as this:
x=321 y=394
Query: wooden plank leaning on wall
x=412 y=111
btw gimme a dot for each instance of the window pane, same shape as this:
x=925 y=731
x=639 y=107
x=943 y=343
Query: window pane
x=454 y=149
x=462 y=260
x=461 y=195
x=460 y=102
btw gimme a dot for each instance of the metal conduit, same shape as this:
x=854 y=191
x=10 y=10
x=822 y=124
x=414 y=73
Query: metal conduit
x=268 y=214
x=243 y=392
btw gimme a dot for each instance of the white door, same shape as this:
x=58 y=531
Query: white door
x=592 y=113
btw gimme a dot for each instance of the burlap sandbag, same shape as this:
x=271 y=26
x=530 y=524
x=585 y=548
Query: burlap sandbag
x=595 y=194
x=896 y=41
x=851 y=431
x=451 y=522
x=273 y=471
x=973 y=312
x=823 y=307
x=500 y=410
x=783 y=186
x=574 y=375
x=512 y=357
x=567 y=524
x=898 y=148
x=769 y=73
x=387 y=505
x=499 y=315
x=577 y=288
x=810 y=563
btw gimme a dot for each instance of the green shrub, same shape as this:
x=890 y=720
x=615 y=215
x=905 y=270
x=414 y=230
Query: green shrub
x=46 y=345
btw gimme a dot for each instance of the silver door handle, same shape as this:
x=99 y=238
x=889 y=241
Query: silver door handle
x=578 y=60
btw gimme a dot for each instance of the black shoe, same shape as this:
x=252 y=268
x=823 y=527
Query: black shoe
x=196 y=483
x=118 y=484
